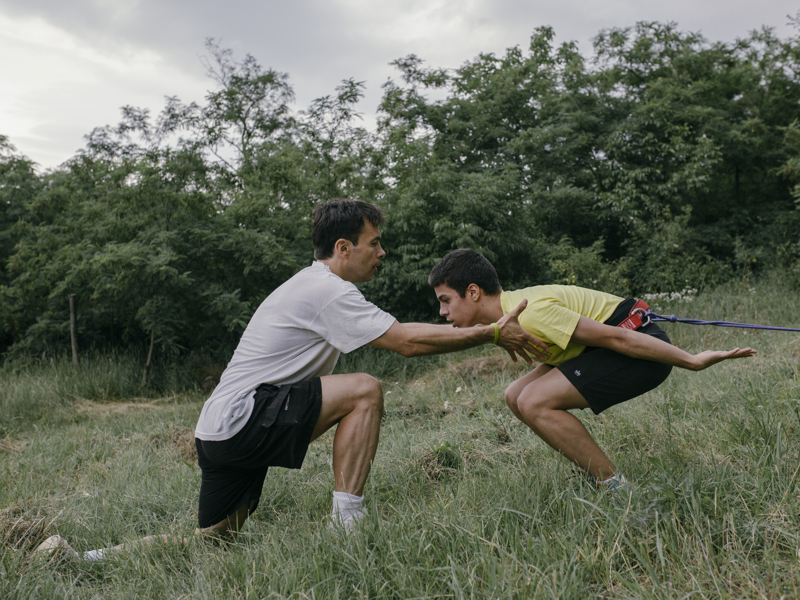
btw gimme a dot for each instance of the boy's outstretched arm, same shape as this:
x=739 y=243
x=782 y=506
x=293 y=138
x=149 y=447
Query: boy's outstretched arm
x=638 y=345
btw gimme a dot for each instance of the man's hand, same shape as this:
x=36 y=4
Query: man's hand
x=516 y=340
x=711 y=357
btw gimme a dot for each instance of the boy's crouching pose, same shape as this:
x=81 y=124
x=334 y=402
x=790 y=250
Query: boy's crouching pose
x=596 y=359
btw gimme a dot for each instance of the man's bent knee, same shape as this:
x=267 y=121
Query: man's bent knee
x=369 y=392
x=230 y=525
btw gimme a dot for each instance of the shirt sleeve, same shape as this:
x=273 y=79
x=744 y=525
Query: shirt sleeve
x=550 y=321
x=349 y=321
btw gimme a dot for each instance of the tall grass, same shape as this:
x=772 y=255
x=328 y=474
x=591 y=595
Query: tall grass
x=464 y=501
x=47 y=390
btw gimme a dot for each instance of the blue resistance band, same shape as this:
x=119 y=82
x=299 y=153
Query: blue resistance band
x=653 y=317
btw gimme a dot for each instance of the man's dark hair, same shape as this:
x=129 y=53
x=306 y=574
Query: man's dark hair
x=459 y=268
x=341 y=219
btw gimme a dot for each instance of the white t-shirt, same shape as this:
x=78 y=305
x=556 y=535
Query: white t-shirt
x=296 y=334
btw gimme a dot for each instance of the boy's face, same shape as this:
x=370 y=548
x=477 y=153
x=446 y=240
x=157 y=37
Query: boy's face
x=461 y=312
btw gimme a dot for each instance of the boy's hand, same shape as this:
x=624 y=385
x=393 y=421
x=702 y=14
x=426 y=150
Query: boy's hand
x=712 y=357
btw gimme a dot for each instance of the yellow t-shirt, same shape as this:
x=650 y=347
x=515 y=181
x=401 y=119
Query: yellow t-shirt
x=553 y=312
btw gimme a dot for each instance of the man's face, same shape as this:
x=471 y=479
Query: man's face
x=366 y=255
x=461 y=312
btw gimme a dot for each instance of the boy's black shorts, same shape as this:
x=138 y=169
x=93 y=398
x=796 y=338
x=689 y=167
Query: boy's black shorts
x=605 y=378
x=277 y=434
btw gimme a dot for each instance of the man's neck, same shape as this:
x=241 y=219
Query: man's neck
x=334 y=265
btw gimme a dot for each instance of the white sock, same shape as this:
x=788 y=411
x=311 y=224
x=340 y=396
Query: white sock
x=619 y=477
x=346 y=508
x=95 y=554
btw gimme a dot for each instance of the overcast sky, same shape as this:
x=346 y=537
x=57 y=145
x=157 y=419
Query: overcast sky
x=68 y=66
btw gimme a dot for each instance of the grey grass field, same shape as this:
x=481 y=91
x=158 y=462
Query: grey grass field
x=464 y=501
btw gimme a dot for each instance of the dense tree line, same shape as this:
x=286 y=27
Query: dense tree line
x=664 y=162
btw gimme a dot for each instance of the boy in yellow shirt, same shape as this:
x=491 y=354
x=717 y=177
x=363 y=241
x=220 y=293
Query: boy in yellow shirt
x=592 y=362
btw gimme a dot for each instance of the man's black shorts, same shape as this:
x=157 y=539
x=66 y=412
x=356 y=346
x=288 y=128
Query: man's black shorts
x=277 y=434
x=606 y=378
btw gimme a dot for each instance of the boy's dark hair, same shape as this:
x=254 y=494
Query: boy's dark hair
x=459 y=268
x=341 y=219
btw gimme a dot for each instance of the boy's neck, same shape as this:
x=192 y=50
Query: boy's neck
x=491 y=309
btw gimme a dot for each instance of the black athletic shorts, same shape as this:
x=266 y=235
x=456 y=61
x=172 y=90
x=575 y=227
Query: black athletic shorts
x=277 y=434
x=606 y=378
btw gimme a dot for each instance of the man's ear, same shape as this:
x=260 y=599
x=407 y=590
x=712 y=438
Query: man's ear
x=342 y=247
x=474 y=292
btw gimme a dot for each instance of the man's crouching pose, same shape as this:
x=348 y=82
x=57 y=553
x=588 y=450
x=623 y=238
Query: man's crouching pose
x=593 y=362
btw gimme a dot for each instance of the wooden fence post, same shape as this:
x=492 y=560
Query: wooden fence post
x=73 y=329
x=149 y=355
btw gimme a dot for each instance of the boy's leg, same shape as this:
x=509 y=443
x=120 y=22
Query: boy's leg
x=515 y=388
x=541 y=401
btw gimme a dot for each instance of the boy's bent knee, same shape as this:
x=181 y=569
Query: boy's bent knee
x=532 y=409
x=511 y=396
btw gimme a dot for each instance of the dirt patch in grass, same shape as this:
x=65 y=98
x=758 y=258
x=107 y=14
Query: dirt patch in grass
x=117 y=408
x=486 y=367
x=483 y=367
x=442 y=461
x=18 y=530
x=8 y=444
x=795 y=349
x=182 y=438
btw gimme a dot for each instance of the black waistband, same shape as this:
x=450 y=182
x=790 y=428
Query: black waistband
x=621 y=312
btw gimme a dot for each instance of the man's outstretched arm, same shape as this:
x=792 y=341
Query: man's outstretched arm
x=416 y=339
x=639 y=345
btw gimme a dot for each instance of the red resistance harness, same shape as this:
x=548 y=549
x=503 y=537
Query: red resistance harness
x=637 y=317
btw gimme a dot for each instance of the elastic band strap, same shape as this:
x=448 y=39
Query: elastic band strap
x=496 y=333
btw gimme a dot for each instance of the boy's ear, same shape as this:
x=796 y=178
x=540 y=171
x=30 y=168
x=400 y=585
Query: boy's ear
x=474 y=292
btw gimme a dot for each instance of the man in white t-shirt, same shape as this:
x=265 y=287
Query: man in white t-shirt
x=277 y=393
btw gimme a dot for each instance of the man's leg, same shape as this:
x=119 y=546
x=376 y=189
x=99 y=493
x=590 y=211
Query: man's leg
x=355 y=402
x=229 y=526
x=541 y=400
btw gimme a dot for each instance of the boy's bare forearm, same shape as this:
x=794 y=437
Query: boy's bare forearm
x=630 y=343
x=647 y=347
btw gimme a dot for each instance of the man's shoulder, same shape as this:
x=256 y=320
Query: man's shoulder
x=308 y=292
x=319 y=275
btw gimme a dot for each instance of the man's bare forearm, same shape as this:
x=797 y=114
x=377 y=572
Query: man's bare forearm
x=421 y=339
x=416 y=339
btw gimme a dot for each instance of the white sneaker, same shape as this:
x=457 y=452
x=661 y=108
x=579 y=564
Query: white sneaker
x=54 y=544
x=345 y=524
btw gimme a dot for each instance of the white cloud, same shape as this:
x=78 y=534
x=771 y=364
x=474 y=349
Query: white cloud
x=60 y=86
x=75 y=63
